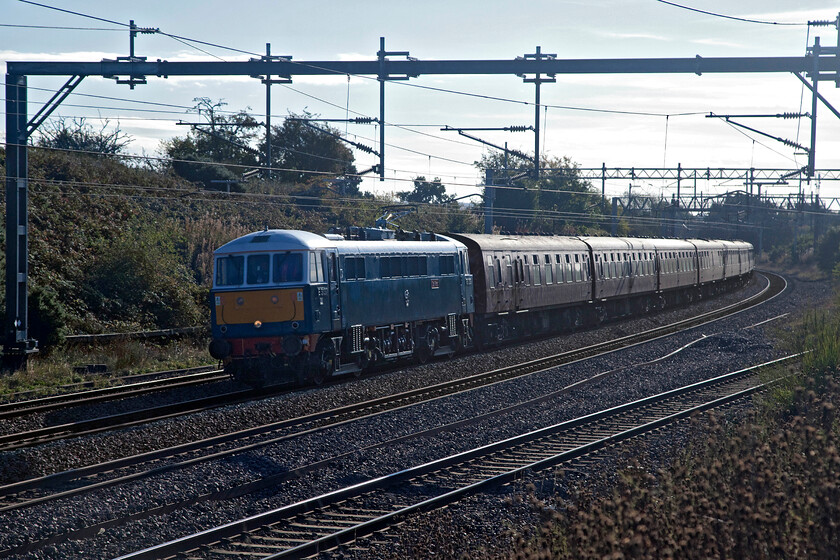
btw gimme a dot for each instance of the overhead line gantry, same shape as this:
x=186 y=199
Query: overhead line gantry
x=819 y=64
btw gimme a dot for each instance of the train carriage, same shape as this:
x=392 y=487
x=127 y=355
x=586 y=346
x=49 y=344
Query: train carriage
x=523 y=283
x=676 y=263
x=710 y=260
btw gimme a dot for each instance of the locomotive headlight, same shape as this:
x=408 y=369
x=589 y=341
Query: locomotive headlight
x=257 y=324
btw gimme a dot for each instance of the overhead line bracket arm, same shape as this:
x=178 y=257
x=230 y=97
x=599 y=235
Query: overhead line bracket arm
x=818 y=94
x=52 y=104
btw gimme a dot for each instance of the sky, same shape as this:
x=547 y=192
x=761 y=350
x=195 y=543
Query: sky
x=449 y=30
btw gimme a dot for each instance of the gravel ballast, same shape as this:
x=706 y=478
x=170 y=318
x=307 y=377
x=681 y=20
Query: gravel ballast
x=727 y=345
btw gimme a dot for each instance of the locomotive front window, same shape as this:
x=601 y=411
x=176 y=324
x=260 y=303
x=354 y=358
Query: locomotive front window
x=288 y=267
x=258 y=269
x=230 y=270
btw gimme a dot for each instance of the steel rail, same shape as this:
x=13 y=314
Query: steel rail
x=505 y=461
x=93 y=396
x=48 y=434
x=14 y=495
x=264 y=482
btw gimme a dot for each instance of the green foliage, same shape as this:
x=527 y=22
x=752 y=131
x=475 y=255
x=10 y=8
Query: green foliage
x=139 y=276
x=47 y=317
x=828 y=250
x=220 y=149
x=303 y=152
x=817 y=334
x=187 y=163
x=560 y=201
x=426 y=192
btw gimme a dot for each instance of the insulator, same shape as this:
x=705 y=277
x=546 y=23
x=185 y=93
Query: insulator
x=364 y=148
x=790 y=115
x=363 y=120
x=518 y=128
x=822 y=23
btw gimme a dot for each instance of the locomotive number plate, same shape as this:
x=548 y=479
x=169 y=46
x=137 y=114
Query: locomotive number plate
x=435 y=283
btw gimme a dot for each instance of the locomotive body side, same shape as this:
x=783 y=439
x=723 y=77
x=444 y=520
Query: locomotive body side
x=296 y=306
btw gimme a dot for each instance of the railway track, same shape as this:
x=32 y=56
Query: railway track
x=83 y=479
x=336 y=518
x=190 y=378
x=776 y=284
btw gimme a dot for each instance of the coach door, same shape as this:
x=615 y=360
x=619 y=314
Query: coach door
x=466 y=287
x=334 y=288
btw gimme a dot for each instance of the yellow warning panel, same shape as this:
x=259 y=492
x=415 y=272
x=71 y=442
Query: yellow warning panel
x=265 y=306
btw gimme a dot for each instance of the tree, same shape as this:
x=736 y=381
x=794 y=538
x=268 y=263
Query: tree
x=426 y=192
x=303 y=152
x=560 y=201
x=828 y=250
x=220 y=149
x=78 y=135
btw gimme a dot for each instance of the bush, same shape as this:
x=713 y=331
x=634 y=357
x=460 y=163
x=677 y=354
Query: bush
x=47 y=317
x=828 y=250
x=140 y=279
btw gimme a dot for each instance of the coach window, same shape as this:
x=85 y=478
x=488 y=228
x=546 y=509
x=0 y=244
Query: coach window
x=229 y=270
x=498 y=272
x=536 y=262
x=577 y=268
x=447 y=264
x=549 y=277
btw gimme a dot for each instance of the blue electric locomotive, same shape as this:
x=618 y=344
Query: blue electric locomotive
x=293 y=305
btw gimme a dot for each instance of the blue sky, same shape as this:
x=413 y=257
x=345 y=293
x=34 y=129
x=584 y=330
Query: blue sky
x=490 y=29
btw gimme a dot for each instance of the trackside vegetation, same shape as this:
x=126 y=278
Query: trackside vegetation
x=764 y=487
x=122 y=245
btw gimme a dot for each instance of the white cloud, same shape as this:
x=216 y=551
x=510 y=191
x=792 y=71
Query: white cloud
x=77 y=56
x=718 y=43
x=650 y=36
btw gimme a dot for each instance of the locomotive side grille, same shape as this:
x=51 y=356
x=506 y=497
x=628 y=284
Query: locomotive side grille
x=452 y=325
x=356 y=338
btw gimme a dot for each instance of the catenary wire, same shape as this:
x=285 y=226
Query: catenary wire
x=321 y=173
x=746 y=20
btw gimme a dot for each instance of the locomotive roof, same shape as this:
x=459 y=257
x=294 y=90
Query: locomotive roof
x=296 y=240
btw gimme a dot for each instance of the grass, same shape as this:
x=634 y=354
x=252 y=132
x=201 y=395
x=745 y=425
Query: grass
x=46 y=373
